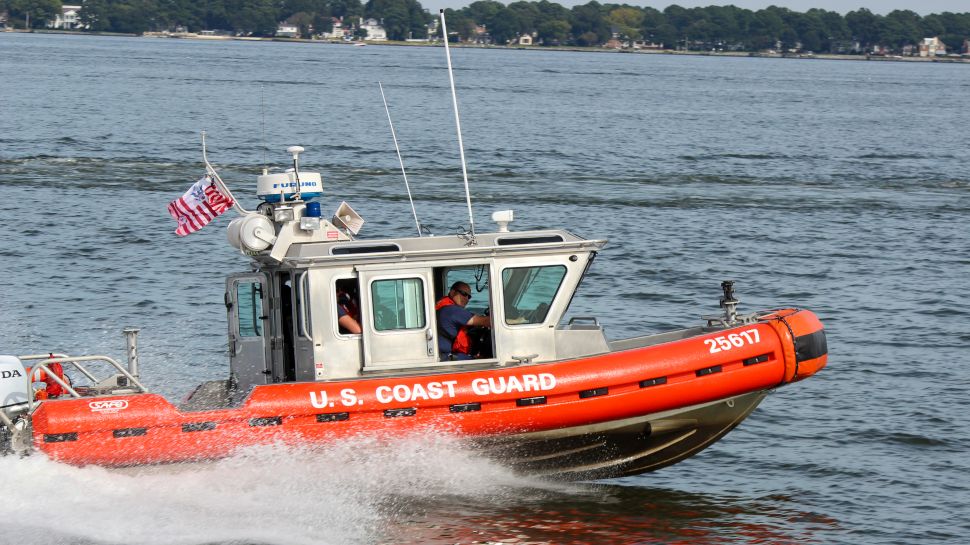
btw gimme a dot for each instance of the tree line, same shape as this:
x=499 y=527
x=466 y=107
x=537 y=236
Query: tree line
x=712 y=27
x=591 y=24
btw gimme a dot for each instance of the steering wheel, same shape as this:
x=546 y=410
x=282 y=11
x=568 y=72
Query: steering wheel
x=481 y=342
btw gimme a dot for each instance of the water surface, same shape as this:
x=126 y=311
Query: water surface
x=842 y=187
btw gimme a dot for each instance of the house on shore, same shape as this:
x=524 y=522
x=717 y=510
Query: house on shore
x=649 y=45
x=375 y=31
x=880 y=50
x=285 y=30
x=67 y=19
x=338 y=30
x=931 y=47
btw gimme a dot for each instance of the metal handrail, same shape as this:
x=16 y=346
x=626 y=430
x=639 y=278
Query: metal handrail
x=73 y=360
x=301 y=293
x=61 y=357
x=476 y=250
x=42 y=366
x=577 y=319
x=47 y=356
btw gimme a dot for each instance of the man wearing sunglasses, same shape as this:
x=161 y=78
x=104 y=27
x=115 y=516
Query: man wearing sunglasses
x=453 y=323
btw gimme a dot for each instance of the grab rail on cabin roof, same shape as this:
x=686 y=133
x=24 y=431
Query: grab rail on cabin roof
x=75 y=362
x=449 y=252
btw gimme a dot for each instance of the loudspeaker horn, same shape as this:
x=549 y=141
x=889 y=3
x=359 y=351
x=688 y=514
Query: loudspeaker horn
x=348 y=218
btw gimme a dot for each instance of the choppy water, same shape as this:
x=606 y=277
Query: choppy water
x=843 y=187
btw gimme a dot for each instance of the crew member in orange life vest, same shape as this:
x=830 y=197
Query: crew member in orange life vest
x=454 y=321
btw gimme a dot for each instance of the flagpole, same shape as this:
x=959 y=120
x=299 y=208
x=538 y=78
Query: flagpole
x=222 y=185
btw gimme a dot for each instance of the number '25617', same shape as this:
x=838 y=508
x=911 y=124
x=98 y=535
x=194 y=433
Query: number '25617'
x=734 y=340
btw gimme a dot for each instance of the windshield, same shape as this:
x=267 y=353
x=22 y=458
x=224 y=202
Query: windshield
x=529 y=292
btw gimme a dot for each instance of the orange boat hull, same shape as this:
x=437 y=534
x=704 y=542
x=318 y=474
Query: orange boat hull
x=721 y=375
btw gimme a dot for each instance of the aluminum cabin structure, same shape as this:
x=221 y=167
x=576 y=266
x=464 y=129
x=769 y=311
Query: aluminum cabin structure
x=283 y=317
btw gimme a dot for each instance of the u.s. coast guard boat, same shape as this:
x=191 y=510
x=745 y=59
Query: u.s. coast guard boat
x=543 y=394
x=334 y=338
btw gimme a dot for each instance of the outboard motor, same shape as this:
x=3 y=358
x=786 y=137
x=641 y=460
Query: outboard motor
x=13 y=387
x=13 y=402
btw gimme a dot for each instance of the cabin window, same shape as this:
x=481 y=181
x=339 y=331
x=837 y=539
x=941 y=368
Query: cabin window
x=511 y=241
x=398 y=304
x=249 y=300
x=347 y=299
x=529 y=291
x=372 y=249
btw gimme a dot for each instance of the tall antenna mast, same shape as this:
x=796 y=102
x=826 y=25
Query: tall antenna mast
x=400 y=160
x=262 y=126
x=461 y=146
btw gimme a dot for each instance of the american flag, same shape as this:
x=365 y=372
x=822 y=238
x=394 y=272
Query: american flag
x=198 y=206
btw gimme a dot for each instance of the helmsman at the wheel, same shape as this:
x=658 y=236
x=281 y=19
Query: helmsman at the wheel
x=453 y=323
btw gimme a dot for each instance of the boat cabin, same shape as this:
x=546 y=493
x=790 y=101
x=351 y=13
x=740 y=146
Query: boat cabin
x=283 y=317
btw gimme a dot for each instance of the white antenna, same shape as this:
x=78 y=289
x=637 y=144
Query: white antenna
x=215 y=175
x=262 y=126
x=461 y=146
x=400 y=160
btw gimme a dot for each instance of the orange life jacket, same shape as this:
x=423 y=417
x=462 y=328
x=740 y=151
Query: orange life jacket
x=461 y=344
x=53 y=389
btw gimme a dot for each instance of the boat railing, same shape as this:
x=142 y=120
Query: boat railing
x=99 y=385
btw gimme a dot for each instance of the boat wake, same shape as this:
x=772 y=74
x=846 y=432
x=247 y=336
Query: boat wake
x=349 y=492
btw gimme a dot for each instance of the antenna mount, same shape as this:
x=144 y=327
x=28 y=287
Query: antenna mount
x=295 y=151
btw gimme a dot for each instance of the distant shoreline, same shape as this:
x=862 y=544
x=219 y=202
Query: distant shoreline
x=742 y=54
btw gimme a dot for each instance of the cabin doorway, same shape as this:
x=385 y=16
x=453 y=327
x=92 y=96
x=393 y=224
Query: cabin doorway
x=249 y=347
x=293 y=354
x=478 y=278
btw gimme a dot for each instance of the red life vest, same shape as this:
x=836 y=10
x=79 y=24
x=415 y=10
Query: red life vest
x=53 y=389
x=461 y=343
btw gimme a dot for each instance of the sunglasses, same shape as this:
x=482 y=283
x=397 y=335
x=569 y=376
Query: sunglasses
x=465 y=293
